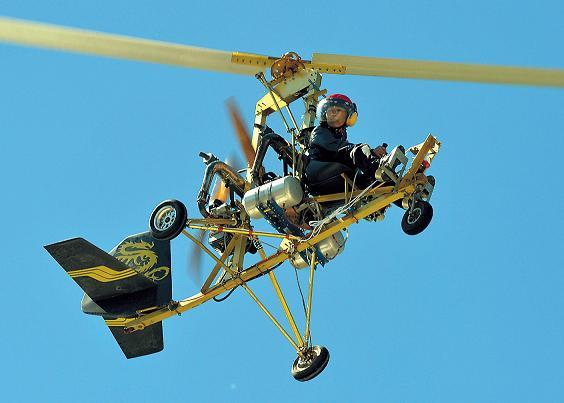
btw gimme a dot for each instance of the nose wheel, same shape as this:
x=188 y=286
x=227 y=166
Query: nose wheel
x=417 y=218
x=314 y=362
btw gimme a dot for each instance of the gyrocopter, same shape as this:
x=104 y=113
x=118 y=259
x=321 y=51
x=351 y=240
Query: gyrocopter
x=308 y=210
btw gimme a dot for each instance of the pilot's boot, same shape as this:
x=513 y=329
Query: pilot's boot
x=388 y=169
x=362 y=158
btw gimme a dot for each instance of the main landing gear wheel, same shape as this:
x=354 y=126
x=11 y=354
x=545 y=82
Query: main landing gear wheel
x=416 y=219
x=316 y=361
x=168 y=220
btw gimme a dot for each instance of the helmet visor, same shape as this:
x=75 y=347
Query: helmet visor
x=332 y=105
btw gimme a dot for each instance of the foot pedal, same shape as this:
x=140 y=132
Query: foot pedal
x=392 y=166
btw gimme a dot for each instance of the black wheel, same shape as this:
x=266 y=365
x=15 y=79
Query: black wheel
x=168 y=220
x=317 y=359
x=416 y=219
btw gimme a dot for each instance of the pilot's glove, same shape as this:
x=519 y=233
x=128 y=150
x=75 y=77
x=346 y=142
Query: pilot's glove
x=380 y=151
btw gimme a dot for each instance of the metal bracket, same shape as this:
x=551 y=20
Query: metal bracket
x=388 y=169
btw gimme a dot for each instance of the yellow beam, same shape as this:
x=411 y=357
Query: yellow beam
x=201 y=245
x=272 y=318
x=310 y=293
x=447 y=71
x=260 y=61
x=286 y=308
x=286 y=92
x=263 y=266
x=239 y=253
x=242 y=231
x=429 y=144
x=217 y=266
x=283 y=301
x=378 y=190
x=328 y=68
x=209 y=221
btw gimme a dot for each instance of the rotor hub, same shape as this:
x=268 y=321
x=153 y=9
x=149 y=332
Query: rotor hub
x=288 y=65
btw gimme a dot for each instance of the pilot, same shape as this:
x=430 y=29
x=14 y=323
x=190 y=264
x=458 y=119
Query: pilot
x=328 y=141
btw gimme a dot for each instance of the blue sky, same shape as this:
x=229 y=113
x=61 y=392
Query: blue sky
x=470 y=310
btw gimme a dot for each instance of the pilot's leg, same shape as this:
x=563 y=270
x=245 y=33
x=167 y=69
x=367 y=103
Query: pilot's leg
x=362 y=158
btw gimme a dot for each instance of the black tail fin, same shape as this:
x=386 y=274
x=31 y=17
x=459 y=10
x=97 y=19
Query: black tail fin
x=141 y=342
x=135 y=276
x=150 y=258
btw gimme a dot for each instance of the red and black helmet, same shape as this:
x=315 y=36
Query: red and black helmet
x=341 y=101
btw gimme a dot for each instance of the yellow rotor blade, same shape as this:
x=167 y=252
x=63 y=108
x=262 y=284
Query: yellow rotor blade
x=122 y=47
x=376 y=66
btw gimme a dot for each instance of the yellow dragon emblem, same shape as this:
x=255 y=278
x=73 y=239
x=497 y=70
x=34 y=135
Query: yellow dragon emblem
x=140 y=257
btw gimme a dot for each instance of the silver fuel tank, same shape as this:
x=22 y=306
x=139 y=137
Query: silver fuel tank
x=286 y=192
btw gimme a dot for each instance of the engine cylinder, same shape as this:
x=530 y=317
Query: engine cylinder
x=219 y=240
x=286 y=192
x=329 y=247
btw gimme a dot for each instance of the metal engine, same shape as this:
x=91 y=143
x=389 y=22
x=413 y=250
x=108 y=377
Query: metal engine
x=219 y=240
x=330 y=247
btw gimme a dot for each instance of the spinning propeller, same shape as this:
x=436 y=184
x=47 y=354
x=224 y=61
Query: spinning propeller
x=220 y=191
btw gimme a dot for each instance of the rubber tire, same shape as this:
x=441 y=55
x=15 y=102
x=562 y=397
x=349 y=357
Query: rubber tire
x=177 y=225
x=315 y=367
x=419 y=225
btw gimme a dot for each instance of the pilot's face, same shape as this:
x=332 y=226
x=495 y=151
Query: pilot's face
x=336 y=117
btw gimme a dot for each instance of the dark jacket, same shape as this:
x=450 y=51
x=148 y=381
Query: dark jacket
x=329 y=144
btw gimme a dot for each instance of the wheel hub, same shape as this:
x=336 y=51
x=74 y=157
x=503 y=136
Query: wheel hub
x=164 y=218
x=414 y=215
x=314 y=361
x=303 y=363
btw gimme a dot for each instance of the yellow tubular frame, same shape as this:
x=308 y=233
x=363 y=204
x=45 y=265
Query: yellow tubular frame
x=310 y=293
x=271 y=317
x=383 y=197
